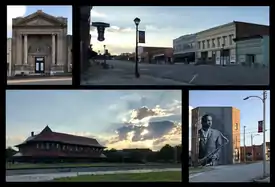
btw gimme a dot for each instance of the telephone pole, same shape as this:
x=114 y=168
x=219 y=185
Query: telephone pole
x=244 y=150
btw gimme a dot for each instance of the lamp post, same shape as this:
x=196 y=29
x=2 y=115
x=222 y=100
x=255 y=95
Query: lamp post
x=104 y=54
x=137 y=21
x=263 y=99
x=252 y=150
x=222 y=54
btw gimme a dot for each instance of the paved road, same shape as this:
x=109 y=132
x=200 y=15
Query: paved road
x=86 y=169
x=231 y=173
x=198 y=75
x=52 y=176
x=42 y=81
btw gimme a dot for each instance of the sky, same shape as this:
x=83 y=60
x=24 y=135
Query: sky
x=251 y=110
x=117 y=119
x=22 y=11
x=164 y=23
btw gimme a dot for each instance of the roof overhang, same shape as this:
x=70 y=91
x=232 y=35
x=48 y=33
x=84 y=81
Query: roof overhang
x=247 y=38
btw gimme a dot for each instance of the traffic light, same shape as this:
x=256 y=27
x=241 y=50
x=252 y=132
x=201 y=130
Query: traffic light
x=260 y=126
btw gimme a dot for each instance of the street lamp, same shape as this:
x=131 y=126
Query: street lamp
x=263 y=99
x=137 y=21
x=222 y=54
x=104 y=54
x=252 y=150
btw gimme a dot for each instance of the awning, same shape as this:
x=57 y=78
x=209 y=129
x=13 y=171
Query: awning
x=158 y=55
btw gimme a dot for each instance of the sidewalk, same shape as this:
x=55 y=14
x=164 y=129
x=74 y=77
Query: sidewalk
x=98 y=76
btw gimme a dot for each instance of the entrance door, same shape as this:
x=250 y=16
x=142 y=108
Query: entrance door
x=39 y=64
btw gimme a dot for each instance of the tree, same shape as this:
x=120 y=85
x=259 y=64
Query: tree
x=10 y=152
x=166 y=153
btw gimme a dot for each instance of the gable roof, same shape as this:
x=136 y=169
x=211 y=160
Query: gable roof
x=39 y=13
x=48 y=135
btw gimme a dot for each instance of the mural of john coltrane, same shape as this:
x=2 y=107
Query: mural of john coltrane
x=209 y=141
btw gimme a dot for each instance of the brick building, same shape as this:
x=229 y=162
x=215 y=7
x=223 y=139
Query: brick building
x=255 y=152
x=155 y=54
x=49 y=146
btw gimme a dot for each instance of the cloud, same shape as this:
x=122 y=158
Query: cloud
x=13 y=12
x=140 y=120
x=97 y=14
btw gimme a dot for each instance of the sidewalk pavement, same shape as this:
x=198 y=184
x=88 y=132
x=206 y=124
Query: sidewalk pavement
x=98 y=76
x=52 y=176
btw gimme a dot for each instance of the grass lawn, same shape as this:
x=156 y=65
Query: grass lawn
x=149 y=177
x=26 y=165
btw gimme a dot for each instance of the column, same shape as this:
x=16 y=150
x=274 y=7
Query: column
x=53 y=49
x=26 y=49
x=18 y=54
x=59 y=49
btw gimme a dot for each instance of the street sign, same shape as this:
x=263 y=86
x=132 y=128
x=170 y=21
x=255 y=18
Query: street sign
x=260 y=126
x=141 y=36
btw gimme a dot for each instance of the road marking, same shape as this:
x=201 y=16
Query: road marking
x=38 y=80
x=194 y=77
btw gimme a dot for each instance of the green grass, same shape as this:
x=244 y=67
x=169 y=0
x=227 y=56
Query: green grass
x=29 y=165
x=149 y=177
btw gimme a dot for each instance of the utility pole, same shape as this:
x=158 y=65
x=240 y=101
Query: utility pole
x=252 y=147
x=264 y=143
x=244 y=150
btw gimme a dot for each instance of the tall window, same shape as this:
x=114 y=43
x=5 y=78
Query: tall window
x=199 y=45
x=203 y=44
x=57 y=146
x=208 y=44
x=231 y=39
x=47 y=146
x=37 y=146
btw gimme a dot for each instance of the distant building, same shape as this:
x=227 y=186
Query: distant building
x=184 y=49
x=255 y=152
x=155 y=54
x=253 y=51
x=227 y=121
x=49 y=146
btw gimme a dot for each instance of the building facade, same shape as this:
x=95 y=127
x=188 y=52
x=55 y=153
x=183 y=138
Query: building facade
x=49 y=146
x=227 y=121
x=217 y=46
x=40 y=45
x=185 y=49
x=146 y=54
x=9 y=40
x=253 y=51
x=255 y=152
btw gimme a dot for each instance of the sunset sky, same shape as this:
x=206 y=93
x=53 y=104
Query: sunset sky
x=117 y=119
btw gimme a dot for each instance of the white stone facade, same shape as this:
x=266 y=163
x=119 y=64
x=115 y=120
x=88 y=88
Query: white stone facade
x=39 y=45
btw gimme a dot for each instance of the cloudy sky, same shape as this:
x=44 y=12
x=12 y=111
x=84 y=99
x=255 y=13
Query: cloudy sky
x=117 y=119
x=162 y=24
x=165 y=23
x=22 y=11
x=251 y=110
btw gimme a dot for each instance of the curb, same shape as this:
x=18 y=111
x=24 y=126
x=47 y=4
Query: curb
x=38 y=77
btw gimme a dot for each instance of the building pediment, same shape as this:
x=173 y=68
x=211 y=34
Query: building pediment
x=40 y=18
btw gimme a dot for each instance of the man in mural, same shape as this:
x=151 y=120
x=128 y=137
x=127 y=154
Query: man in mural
x=210 y=142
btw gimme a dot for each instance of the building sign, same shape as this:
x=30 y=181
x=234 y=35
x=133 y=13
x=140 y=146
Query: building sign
x=260 y=126
x=141 y=36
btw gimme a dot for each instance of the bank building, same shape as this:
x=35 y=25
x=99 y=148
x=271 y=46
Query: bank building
x=40 y=45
